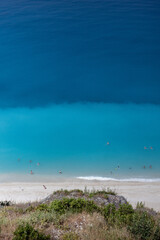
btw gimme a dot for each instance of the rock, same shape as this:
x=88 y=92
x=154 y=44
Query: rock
x=98 y=199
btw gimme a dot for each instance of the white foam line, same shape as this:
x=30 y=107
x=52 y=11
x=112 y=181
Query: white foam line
x=91 y=178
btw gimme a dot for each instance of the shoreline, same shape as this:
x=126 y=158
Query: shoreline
x=21 y=192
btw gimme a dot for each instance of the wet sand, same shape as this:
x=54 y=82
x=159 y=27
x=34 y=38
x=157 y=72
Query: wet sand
x=148 y=193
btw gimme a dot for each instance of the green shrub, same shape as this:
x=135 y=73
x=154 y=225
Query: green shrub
x=70 y=236
x=42 y=207
x=121 y=216
x=29 y=209
x=40 y=218
x=98 y=193
x=73 y=205
x=109 y=212
x=124 y=214
x=156 y=235
x=125 y=209
x=27 y=232
x=142 y=226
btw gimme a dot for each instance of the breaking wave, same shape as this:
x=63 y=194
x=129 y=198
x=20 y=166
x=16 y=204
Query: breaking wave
x=90 y=178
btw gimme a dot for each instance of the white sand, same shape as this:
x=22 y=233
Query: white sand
x=149 y=193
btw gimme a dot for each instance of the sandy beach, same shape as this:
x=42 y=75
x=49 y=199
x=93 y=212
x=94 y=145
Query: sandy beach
x=148 y=193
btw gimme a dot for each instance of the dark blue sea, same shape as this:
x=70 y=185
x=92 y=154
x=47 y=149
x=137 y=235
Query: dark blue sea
x=80 y=89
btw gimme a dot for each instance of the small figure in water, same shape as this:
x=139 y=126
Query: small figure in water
x=107 y=143
x=60 y=172
x=130 y=168
x=145 y=147
x=150 y=166
x=30 y=161
x=38 y=164
x=31 y=172
x=110 y=172
x=144 y=166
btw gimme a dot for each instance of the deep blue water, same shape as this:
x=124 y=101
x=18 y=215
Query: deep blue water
x=74 y=75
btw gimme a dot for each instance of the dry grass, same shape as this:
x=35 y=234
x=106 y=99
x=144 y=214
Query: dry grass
x=68 y=226
x=97 y=228
x=86 y=226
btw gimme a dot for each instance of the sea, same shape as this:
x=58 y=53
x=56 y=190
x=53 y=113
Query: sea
x=80 y=90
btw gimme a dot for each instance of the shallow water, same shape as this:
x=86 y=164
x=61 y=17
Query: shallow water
x=72 y=138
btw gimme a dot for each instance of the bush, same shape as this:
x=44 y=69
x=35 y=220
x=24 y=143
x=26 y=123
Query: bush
x=124 y=214
x=39 y=218
x=142 y=226
x=109 y=212
x=156 y=235
x=27 y=232
x=125 y=209
x=121 y=216
x=42 y=207
x=70 y=236
x=30 y=209
x=73 y=205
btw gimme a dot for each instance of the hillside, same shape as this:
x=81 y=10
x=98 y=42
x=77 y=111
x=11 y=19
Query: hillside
x=79 y=215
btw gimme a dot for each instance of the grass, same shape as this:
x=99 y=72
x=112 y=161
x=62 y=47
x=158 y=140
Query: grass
x=87 y=192
x=67 y=192
x=79 y=218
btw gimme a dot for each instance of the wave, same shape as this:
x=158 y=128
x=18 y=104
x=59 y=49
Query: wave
x=91 y=178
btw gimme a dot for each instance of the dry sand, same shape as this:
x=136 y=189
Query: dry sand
x=149 y=193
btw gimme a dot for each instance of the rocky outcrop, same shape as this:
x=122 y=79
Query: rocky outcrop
x=101 y=199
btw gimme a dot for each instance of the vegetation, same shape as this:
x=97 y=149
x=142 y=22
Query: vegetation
x=78 y=218
x=73 y=205
x=26 y=232
x=70 y=236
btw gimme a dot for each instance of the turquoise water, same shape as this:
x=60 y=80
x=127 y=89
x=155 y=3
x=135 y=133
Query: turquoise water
x=72 y=138
x=75 y=75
